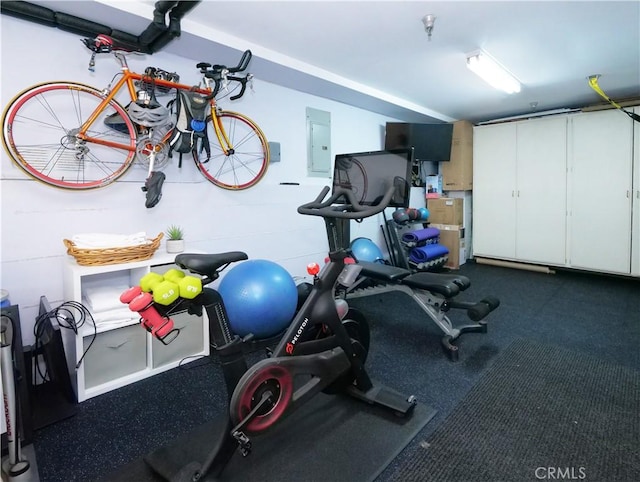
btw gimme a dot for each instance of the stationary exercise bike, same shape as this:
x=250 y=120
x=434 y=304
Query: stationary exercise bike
x=323 y=349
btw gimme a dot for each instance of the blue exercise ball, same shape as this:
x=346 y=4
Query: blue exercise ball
x=260 y=297
x=364 y=249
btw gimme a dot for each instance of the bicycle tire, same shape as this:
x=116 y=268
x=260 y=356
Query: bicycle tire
x=38 y=132
x=357 y=182
x=248 y=162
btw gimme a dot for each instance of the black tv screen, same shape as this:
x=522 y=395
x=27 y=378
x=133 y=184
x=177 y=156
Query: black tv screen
x=431 y=142
x=369 y=174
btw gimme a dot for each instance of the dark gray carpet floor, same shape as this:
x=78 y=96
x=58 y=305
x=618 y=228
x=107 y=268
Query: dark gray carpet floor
x=539 y=411
x=598 y=316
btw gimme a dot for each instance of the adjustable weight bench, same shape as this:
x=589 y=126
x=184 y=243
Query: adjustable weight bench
x=434 y=293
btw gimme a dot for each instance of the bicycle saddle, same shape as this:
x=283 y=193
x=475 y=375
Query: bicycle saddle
x=208 y=264
x=103 y=44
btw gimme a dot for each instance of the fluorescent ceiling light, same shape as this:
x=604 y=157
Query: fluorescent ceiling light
x=492 y=72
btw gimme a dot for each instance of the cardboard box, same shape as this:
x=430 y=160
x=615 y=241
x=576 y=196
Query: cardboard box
x=453 y=237
x=457 y=174
x=467 y=218
x=446 y=210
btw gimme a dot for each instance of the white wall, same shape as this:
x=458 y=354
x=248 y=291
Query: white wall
x=261 y=221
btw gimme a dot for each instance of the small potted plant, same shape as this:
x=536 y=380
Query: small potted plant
x=175 y=239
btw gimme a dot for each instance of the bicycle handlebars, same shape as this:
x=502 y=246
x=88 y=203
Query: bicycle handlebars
x=351 y=210
x=219 y=73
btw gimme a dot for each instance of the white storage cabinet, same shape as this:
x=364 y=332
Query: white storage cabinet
x=561 y=191
x=601 y=191
x=128 y=353
x=635 y=219
x=519 y=190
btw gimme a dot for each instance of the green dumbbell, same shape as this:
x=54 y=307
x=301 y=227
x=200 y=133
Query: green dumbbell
x=190 y=287
x=165 y=292
x=174 y=275
x=149 y=280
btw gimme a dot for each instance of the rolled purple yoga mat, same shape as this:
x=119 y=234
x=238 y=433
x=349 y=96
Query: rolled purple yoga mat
x=420 y=235
x=427 y=253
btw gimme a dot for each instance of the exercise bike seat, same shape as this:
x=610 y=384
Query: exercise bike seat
x=383 y=271
x=447 y=285
x=208 y=264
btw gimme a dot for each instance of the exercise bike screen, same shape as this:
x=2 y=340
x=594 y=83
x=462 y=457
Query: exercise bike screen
x=369 y=174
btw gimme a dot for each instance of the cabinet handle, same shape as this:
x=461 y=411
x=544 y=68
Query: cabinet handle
x=118 y=345
x=513 y=194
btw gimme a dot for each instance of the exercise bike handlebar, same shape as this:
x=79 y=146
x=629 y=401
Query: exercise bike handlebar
x=351 y=210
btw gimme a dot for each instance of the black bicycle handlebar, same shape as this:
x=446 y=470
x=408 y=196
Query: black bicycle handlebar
x=243 y=85
x=243 y=64
x=219 y=72
x=351 y=210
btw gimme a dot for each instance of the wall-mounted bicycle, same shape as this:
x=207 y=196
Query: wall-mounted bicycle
x=75 y=136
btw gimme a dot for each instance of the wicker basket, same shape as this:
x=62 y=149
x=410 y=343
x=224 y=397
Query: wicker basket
x=99 y=257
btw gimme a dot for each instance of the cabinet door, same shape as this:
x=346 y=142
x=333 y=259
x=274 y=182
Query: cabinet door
x=494 y=177
x=541 y=190
x=600 y=191
x=635 y=236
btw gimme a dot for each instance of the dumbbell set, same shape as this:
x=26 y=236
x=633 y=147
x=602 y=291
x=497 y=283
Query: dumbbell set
x=405 y=215
x=169 y=287
x=163 y=290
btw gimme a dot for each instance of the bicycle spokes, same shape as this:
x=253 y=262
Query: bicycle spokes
x=43 y=128
x=239 y=152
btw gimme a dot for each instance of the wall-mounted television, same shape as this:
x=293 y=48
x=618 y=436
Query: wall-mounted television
x=431 y=142
x=369 y=174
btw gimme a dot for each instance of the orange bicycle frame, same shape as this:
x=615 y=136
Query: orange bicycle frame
x=128 y=78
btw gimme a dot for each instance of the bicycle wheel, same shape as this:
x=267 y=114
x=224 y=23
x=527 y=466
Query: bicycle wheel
x=350 y=174
x=247 y=160
x=40 y=127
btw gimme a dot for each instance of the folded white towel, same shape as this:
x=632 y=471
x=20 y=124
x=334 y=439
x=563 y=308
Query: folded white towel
x=113 y=324
x=103 y=298
x=105 y=240
x=121 y=315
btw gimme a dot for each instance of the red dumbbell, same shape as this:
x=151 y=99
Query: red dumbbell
x=130 y=294
x=159 y=326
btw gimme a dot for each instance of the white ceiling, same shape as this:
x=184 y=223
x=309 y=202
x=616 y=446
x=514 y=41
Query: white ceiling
x=376 y=54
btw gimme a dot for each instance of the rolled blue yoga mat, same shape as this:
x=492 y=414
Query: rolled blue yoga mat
x=420 y=235
x=427 y=253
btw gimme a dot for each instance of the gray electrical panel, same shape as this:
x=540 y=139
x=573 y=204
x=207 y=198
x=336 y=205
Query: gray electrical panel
x=318 y=143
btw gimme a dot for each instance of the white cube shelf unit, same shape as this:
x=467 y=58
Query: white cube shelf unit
x=124 y=353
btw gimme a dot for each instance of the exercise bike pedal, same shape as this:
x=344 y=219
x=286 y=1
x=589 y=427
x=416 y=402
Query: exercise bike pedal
x=244 y=442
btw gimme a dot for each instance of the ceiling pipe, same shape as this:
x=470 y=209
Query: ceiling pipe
x=156 y=36
x=179 y=10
